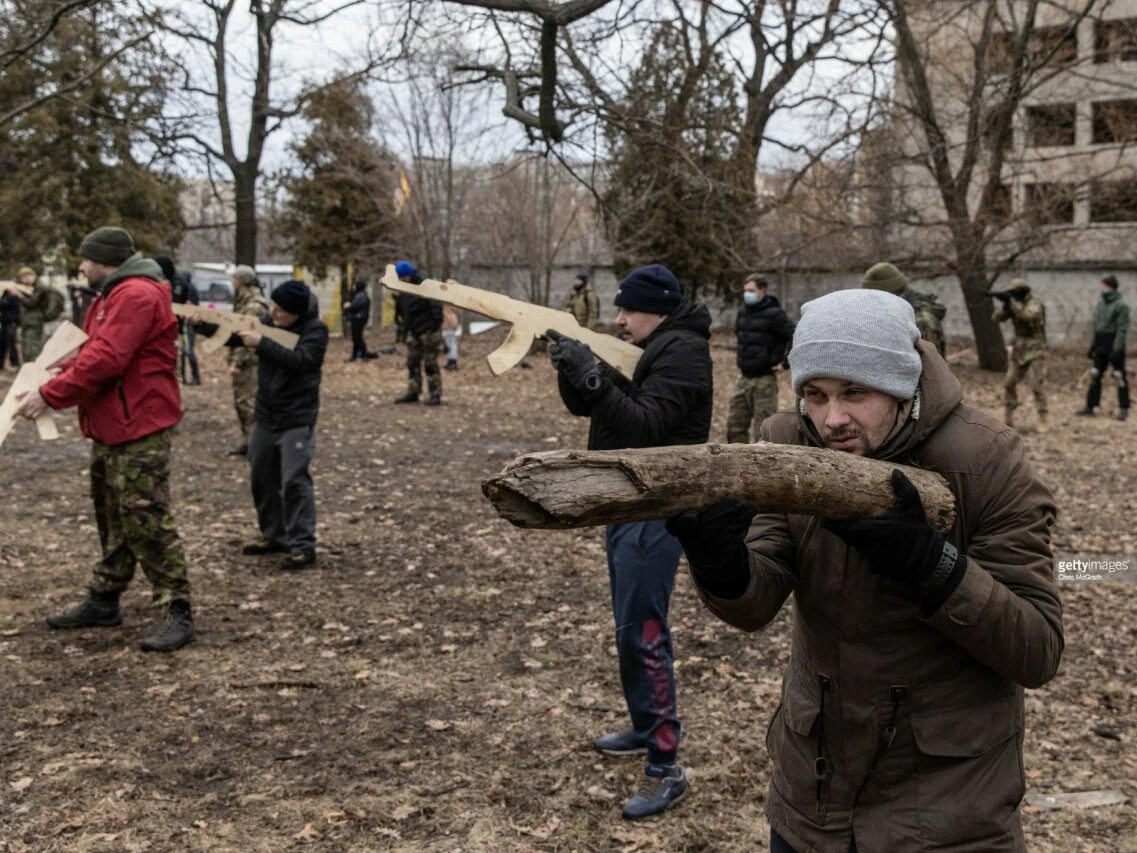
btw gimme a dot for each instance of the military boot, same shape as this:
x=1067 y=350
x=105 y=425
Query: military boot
x=434 y=399
x=99 y=610
x=174 y=629
x=409 y=397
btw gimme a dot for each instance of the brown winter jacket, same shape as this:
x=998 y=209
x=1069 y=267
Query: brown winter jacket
x=922 y=714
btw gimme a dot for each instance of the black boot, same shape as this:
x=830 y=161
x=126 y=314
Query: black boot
x=174 y=629
x=1122 y=414
x=99 y=610
x=241 y=449
x=409 y=397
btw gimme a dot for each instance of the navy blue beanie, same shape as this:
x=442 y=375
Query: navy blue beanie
x=293 y=296
x=404 y=269
x=652 y=289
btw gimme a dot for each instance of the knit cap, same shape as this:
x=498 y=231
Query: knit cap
x=652 y=289
x=885 y=277
x=404 y=269
x=863 y=336
x=293 y=296
x=108 y=246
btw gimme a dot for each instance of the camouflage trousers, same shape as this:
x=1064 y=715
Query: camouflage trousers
x=755 y=399
x=245 y=397
x=31 y=342
x=130 y=486
x=1034 y=372
x=423 y=350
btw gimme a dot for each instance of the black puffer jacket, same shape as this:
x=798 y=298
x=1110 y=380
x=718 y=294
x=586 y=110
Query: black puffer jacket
x=671 y=393
x=360 y=310
x=764 y=336
x=419 y=315
x=288 y=380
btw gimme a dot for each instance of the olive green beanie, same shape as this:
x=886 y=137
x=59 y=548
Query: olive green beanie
x=884 y=276
x=108 y=246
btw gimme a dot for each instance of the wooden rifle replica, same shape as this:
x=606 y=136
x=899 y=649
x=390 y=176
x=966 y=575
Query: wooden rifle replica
x=63 y=343
x=25 y=289
x=229 y=324
x=560 y=489
x=529 y=321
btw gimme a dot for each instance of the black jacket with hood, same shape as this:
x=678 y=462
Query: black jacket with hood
x=288 y=380
x=764 y=335
x=670 y=396
x=420 y=316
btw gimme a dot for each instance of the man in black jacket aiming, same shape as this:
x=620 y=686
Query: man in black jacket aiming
x=422 y=318
x=764 y=335
x=667 y=402
x=282 y=441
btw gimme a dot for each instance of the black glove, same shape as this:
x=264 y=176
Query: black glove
x=575 y=360
x=714 y=541
x=901 y=545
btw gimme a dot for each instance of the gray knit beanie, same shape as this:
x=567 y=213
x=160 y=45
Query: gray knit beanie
x=863 y=336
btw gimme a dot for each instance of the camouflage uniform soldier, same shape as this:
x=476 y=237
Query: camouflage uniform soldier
x=248 y=299
x=33 y=319
x=1028 y=353
x=124 y=385
x=582 y=303
x=929 y=312
x=423 y=321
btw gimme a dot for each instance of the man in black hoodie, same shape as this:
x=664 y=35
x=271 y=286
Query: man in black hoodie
x=282 y=441
x=422 y=318
x=357 y=311
x=764 y=335
x=667 y=402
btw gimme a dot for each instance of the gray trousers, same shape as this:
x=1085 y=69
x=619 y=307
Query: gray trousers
x=282 y=486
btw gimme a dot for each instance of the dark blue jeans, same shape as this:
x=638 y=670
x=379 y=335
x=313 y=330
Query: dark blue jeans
x=642 y=559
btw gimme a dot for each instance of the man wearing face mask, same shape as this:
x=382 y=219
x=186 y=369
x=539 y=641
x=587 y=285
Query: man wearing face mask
x=668 y=401
x=901 y=721
x=764 y=334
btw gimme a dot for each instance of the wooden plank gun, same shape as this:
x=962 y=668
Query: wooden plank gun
x=229 y=323
x=62 y=344
x=529 y=321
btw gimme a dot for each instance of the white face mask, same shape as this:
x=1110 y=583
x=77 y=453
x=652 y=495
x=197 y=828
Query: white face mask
x=750 y=297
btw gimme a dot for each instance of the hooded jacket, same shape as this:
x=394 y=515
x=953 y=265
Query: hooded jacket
x=419 y=315
x=764 y=334
x=1111 y=324
x=288 y=380
x=917 y=717
x=123 y=378
x=671 y=393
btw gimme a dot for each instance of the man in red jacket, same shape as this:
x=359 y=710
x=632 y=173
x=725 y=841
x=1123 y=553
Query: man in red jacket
x=123 y=382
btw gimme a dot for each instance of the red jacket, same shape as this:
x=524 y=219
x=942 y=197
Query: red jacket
x=123 y=379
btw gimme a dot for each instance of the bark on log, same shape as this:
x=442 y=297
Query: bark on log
x=573 y=488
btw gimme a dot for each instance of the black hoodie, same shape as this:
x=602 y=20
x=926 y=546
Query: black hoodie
x=288 y=380
x=670 y=396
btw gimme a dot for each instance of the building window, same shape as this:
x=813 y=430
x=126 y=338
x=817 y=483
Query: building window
x=1000 y=50
x=1054 y=46
x=1051 y=124
x=1001 y=206
x=1113 y=201
x=1050 y=204
x=1115 y=121
x=1115 y=41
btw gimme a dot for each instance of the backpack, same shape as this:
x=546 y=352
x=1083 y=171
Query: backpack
x=53 y=305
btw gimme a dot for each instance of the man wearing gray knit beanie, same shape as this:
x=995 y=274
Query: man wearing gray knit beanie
x=900 y=726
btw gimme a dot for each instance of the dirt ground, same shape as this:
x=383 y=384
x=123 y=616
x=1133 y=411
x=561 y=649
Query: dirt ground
x=434 y=683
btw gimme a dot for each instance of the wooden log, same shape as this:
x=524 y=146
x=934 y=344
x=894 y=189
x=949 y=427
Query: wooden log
x=571 y=488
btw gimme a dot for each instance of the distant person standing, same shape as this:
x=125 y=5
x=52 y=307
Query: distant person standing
x=184 y=293
x=1111 y=323
x=764 y=333
x=930 y=312
x=357 y=311
x=9 y=328
x=248 y=298
x=422 y=319
x=582 y=302
x=1028 y=352
x=35 y=310
x=283 y=439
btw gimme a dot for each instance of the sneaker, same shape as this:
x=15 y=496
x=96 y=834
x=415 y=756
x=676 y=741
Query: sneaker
x=241 y=449
x=434 y=400
x=174 y=629
x=298 y=560
x=620 y=744
x=94 y=612
x=450 y=365
x=662 y=787
x=262 y=546
x=1085 y=411
x=1122 y=414
x=409 y=397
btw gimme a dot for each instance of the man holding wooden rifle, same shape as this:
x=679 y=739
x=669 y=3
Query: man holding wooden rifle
x=667 y=402
x=124 y=384
x=901 y=722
